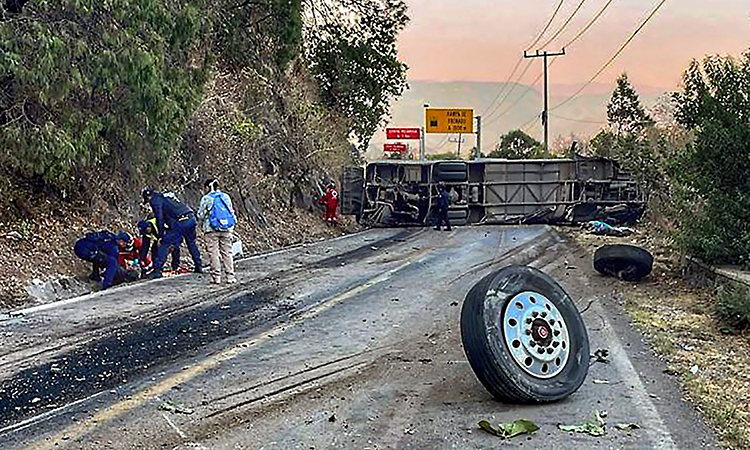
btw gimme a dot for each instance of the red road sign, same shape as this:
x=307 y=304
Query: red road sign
x=402 y=133
x=395 y=148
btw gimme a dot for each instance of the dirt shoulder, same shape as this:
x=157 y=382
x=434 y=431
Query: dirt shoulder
x=678 y=320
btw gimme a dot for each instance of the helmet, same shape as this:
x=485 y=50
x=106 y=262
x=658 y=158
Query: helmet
x=146 y=193
x=143 y=226
x=123 y=236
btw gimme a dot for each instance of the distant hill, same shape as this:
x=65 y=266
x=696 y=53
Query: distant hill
x=582 y=117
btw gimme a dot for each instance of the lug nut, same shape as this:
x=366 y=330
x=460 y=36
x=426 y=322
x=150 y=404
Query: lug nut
x=535 y=314
x=557 y=332
x=532 y=343
x=541 y=350
x=549 y=350
x=552 y=321
x=528 y=320
x=555 y=344
x=528 y=332
x=544 y=314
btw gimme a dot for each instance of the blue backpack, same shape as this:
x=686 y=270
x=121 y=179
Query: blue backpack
x=220 y=218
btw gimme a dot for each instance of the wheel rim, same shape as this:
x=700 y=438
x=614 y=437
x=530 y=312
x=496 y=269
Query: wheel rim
x=536 y=335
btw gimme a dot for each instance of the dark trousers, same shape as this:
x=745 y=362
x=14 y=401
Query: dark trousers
x=179 y=230
x=103 y=257
x=442 y=218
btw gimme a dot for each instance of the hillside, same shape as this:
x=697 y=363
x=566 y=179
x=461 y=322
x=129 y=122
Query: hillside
x=588 y=110
x=98 y=99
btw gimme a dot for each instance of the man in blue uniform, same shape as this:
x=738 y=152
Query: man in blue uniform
x=443 y=201
x=174 y=222
x=101 y=249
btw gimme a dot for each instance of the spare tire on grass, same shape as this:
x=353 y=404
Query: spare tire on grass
x=524 y=337
x=626 y=262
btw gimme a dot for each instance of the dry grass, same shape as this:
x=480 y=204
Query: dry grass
x=679 y=322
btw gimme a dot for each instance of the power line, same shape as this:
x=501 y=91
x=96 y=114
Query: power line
x=564 y=25
x=551 y=19
x=613 y=58
x=520 y=60
x=571 y=42
x=569 y=119
x=589 y=25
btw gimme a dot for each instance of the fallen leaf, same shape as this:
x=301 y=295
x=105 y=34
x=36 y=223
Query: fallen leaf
x=596 y=427
x=509 y=429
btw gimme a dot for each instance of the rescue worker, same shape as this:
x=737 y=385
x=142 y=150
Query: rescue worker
x=218 y=218
x=150 y=245
x=130 y=251
x=331 y=201
x=100 y=249
x=174 y=222
x=443 y=201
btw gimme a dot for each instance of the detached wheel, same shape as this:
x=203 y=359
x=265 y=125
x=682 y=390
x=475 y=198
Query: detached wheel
x=523 y=336
x=626 y=262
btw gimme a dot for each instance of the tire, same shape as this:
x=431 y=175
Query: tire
x=452 y=176
x=450 y=167
x=499 y=353
x=626 y=262
x=457 y=214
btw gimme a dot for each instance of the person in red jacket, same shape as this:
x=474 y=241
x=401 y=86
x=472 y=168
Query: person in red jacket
x=130 y=251
x=331 y=202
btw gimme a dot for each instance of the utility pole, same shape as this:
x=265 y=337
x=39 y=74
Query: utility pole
x=479 y=138
x=459 y=146
x=545 y=115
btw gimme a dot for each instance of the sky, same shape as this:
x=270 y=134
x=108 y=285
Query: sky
x=481 y=40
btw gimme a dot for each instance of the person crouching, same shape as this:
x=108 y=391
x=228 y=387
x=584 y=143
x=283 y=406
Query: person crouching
x=218 y=218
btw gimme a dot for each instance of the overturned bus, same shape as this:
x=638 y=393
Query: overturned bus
x=490 y=191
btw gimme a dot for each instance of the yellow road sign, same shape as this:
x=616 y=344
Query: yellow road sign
x=449 y=120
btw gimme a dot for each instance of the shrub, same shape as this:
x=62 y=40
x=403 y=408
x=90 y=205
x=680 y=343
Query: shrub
x=733 y=305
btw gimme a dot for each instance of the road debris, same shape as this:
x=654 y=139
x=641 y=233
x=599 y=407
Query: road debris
x=627 y=426
x=175 y=408
x=596 y=427
x=597 y=381
x=508 y=430
x=601 y=355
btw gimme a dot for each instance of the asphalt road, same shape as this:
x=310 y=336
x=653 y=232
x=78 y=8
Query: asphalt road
x=351 y=343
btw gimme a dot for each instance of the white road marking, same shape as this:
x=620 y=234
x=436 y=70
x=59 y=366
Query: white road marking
x=174 y=427
x=138 y=399
x=46 y=415
x=653 y=424
x=128 y=287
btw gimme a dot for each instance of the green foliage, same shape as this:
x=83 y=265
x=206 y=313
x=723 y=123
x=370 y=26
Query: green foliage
x=625 y=113
x=250 y=33
x=715 y=168
x=356 y=65
x=447 y=156
x=84 y=80
x=248 y=129
x=517 y=145
x=604 y=144
x=733 y=305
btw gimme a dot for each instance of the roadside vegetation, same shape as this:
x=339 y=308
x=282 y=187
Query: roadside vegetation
x=691 y=155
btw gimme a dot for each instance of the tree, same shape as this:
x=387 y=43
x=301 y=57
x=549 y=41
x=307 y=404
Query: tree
x=715 y=168
x=517 y=145
x=356 y=64
x=625 y=113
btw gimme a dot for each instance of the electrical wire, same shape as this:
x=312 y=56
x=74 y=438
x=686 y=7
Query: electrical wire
x=549 y=23
x=567 y=45
x=613 y=58
x=569 y=119
x=520 y=60
x=589 y=25
x=564 y=25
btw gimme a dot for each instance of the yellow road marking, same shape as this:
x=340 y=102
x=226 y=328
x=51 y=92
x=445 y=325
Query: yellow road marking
x=117 y=409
